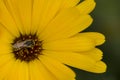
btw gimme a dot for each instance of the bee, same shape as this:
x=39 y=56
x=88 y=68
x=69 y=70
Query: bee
x=23 y=44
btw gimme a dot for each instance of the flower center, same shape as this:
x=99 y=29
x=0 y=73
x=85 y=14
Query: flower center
x=27 y=47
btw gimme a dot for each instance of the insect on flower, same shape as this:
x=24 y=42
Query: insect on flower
x=23 y=44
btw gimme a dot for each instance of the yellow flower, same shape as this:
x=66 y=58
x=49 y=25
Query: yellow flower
x=38 y=38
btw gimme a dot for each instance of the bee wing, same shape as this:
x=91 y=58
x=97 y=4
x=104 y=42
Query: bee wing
x=29 y=43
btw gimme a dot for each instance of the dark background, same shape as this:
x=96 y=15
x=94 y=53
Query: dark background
x=107 y=21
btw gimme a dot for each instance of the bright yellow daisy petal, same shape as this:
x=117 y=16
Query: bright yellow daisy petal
x=80 y=43
x=43 y=12
x=41 y=8
x=13 y=74
x=97 y=37
x=5 y=35
x=86 y=6
x=18 y=68
x=20 y=11
x=38 y=38
x=60 y=28
x=77 y=60
x=5 y=48
x=5 y=59
x=99 y=67
x=57 y=69
x=95 y=54
x=70 y=3
x=5 y=69
x=7 y=21
x=39 y=72
x=23 y=69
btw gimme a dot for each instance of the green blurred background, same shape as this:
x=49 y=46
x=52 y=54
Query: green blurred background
x=107 y=21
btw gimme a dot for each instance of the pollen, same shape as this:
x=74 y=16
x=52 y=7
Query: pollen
x=27 y=47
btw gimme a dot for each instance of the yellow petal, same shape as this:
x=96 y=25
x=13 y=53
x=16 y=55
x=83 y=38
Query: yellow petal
x=39 y=72
x=5 y=69
x=43 y=12
x=60 y=71
x=99 y=67
x=13 y=11
x=5 y=49
x=41 y=8
x=5 y=41
x=95 y=54
x=71 y=44
x=19 y=71
x=13 y=74
x=97 y=37
x=5 y=35
x=24 y=9
x=23 y=72
x=69 y=3
x=86 y=6
x=7 y=21
x=4 y=59
x=66 y=24
x=77 y=60
x=20 y=10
